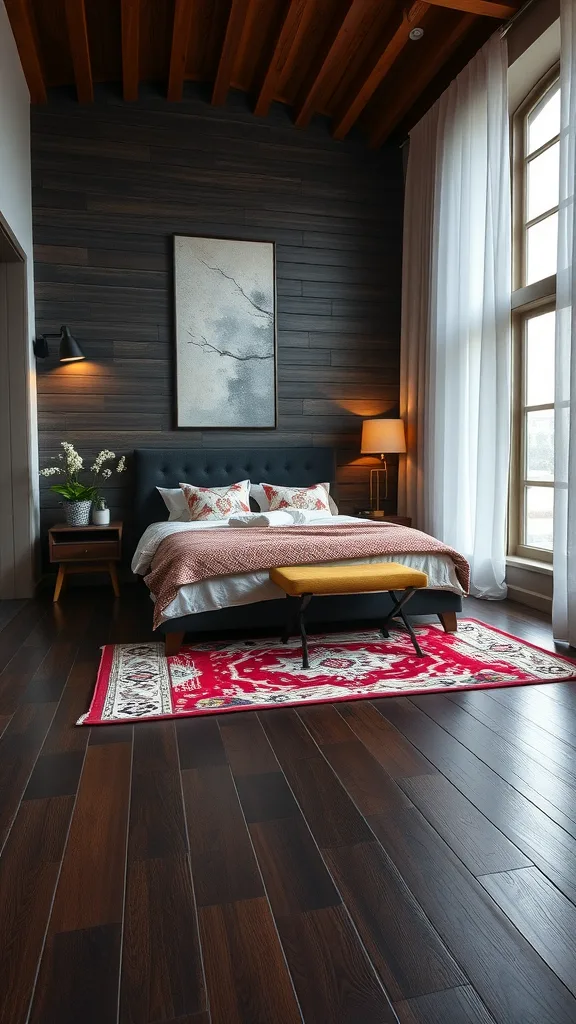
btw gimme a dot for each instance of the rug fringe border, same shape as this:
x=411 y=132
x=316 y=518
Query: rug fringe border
x=329 y=700
x=85 y=718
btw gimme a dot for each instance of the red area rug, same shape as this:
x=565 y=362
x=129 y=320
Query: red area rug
x=136 y=682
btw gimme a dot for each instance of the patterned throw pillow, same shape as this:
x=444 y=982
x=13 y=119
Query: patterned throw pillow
x=217 y=502
x=315 y=497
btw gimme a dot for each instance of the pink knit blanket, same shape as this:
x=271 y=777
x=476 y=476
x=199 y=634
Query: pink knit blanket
x=199 y=555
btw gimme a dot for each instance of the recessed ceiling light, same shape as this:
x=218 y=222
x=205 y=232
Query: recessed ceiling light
x=416 y=33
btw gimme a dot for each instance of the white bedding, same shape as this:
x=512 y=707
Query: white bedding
x=248 y=588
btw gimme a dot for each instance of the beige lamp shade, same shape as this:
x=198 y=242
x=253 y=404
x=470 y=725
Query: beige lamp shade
x=382 y=437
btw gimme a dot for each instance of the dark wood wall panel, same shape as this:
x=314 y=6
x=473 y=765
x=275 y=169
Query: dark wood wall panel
x=114 y=182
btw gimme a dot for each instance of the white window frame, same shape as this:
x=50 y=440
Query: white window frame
x=527 y=301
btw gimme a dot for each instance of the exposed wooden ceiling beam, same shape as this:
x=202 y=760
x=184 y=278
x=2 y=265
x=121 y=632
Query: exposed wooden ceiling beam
x=78 y=36
x=345 y=34
x=130 y=48
x=406 y=96
x=24 y=32
x=234 y=30
x=179 y=51
x=285 y=44
x=391 y=52
x=482 y=7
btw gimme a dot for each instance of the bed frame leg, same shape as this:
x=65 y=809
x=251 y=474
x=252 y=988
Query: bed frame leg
x=449 y=621
x=173 y=643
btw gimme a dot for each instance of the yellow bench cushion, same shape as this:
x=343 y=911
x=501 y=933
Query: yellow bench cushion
x=346 y=579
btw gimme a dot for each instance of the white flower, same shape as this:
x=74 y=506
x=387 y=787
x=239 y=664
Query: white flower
x=104 y=456
x=121 y=465
x=74 y=461
x=50 y=471
x=106 y=473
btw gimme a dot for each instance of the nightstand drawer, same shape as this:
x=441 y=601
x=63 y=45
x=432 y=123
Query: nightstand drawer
x=91 y=550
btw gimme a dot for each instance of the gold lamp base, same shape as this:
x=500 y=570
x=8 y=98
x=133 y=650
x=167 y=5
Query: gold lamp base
x=378 y=488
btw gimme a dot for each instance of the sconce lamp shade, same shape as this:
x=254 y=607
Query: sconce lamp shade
x=382 y=437
x=70 y=350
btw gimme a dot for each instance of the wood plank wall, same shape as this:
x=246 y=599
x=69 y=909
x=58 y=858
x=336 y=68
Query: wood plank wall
x=113 y=182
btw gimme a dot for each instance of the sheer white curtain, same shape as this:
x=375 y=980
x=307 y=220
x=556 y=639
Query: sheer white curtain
x=455 y=377
x=564 y=602
x=416 y=263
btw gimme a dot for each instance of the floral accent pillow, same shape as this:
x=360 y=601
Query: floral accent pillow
x=217 y=502
x=315 y=497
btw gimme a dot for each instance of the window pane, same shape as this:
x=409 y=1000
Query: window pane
x=538 y=519
x=540 y=359
x=541 y=244
x=544 y=121
x=540 y=445
x=543 y=182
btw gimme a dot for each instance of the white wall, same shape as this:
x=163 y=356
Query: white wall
x=18 y=385
x=15 y=194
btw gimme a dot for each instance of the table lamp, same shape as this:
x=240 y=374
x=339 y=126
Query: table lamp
x=381 y=437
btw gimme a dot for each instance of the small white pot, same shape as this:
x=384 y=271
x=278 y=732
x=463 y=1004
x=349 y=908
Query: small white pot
x=101 y=516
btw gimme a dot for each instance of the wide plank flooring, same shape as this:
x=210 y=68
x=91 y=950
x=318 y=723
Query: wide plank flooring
x=407 y=860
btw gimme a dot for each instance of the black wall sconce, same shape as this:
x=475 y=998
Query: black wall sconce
x=70 y=351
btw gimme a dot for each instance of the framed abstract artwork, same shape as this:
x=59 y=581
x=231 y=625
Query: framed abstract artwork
x=225 y=302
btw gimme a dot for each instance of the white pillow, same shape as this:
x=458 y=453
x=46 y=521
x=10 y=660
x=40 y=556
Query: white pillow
x=173 y=498
x=258 y=493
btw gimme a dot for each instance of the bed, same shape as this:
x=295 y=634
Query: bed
x=239 y=603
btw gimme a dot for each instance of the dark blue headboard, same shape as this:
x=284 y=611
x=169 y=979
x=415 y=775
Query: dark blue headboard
x=216 y=467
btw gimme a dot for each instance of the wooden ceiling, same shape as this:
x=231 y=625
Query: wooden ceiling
x=351 y=60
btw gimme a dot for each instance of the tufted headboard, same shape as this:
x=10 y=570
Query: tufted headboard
x=216 y=467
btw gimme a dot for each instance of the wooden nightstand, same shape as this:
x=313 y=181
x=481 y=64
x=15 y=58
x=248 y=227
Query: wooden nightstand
x=85 y=549
x=401 y=520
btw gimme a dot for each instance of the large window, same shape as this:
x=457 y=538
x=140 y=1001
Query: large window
x=536 y=186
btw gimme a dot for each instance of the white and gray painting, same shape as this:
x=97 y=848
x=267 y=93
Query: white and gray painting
x=225 y=332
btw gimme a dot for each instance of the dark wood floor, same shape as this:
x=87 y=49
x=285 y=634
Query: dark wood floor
x=407 y=860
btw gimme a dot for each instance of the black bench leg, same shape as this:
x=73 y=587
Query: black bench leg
x=410 y=629
x=398 y=609
x=291 y=626
x=298 y=620
x=304 y=602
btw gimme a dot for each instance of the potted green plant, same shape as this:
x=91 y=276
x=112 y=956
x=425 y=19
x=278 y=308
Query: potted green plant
x=78 y=497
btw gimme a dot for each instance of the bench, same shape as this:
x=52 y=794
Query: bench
x=307 y=581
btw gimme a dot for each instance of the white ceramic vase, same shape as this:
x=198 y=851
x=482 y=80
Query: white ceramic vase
x=101 y=516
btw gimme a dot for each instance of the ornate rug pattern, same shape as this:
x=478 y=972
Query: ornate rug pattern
x=137 y=682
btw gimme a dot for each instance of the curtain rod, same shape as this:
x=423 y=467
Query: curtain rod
x=521 y=10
